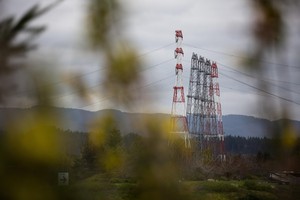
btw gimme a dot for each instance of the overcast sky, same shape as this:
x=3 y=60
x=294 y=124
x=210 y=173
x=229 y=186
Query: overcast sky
x=218 y=30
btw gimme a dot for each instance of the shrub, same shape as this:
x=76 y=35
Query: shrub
x=257 y=185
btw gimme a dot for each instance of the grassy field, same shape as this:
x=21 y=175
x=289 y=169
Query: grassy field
x=102 y=187
x=248 y=189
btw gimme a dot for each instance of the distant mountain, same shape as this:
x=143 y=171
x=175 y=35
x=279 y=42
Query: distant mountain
x=246 y=126
x=82 y=120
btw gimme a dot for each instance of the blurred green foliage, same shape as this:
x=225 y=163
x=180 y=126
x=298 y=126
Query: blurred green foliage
x=270 y=32
x=112 y=166
x=10 y=29
x=269 y=27
x=103 y=17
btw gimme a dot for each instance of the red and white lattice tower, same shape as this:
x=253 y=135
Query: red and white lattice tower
x=178 y=118
x=204 y=113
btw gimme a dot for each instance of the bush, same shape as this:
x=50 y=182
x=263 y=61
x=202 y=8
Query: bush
x=220 y=187
x=128 y=191
x=258 y=185
x=255 y=195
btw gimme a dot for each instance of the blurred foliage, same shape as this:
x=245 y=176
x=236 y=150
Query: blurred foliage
x=103 y=17
x=104 y=35
x=154 y=166
x=270 y=32
x=31 y=150
x=12 y=48
x=122 y=78
x=11 y=29
x=269 y=27
x=78 y=84
x=103 y=149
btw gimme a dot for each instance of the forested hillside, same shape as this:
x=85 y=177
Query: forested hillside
x=82 y=120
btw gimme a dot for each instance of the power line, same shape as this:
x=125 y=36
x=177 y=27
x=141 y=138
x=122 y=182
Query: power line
x=262 y=90
x=242 y=57
x=262 y=80
x=157 y=49
x=218 y=52
x=101 y=69
x=251 y=76
x=280 y=81
x=101 y=83
x=142 y=87
x=163 y=62
x=104 y=68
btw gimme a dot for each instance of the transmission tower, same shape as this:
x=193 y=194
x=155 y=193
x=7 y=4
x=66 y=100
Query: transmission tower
x=204 y=113
x=178 y=118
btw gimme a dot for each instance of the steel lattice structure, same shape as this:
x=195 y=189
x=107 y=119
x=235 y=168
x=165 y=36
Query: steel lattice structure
x=204 y=113
x=178 y=118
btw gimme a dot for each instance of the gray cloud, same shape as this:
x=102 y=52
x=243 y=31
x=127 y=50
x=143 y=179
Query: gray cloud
x=222 y=26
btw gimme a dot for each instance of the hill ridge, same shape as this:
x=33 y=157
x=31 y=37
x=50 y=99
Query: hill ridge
x=80 y=120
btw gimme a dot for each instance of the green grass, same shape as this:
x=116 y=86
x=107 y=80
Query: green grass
x=239 y=190
x=101 y=187
x=216 y=186
x=258 y=185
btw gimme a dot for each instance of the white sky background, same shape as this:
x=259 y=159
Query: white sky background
x=212 y=26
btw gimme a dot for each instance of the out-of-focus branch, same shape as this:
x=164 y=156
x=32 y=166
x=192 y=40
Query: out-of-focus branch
x=270 y=35
x=12 y=47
